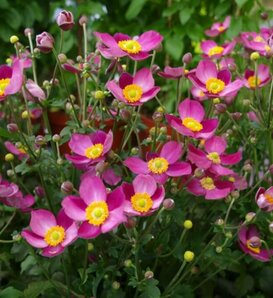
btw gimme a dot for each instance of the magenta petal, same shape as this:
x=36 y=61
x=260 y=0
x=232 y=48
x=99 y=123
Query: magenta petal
x=16 y=79
x=115 y=90
x=158 y=197
x=121 y=36
x=176 y=123
x=206 y=70
x=160 y=178
x=179 y=169
x=140 y=56
x=212 y=33
x=116 y=217
x=136 y=165
x=260 y=191
x=231 y=159
x=144 y=183
x=144 y=79
x=110 y=177
x=78 y=159
x=263 y=72
x=35 y=90
x=220 y=170
x=217 y=193
x=263 y=256
x=5 y=72
x=171 y=151
x=225 y=76
x=232 y=87
x=88 y=231
x=195 y=188
x=41 y=221
x=52 y=251
x=107 y=39
x=216 y=144
x=198 y=157
x=33 y=239
x=92 y=189
x=191 y=108
x=206 y=45
x=79 y=143
x=149 y=94
x=63 y=220
x=108 y=142
x=71 y=234
x=209 y=127
x=125 y=79
x=149 y=40
x=197 y=83
x=74 y=207
x=116 y=198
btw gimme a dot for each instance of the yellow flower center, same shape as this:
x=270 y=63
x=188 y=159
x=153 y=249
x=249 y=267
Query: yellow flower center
x=97 y=213
x=132 y=93
x=267 y=48
x=259 y=39
x=254 y=249
x=94 y=151
x=214 y=157
x=141 y=202
x=214 y=85
x=192 y=124
x=231 y=179
x=3 y=84
x=130 y=46
x=221 y=28
x=215 y=51
x=158 y=165
x=252 y=82
x=269 y=198
x=55 y=235
x=207 y=183
x=201 y=94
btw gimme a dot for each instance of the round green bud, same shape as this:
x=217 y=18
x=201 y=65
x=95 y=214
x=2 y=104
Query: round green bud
x=13 y=39
x=188 y=256
x=99 y=95
x=115 y=285
x=254 y=56
x=218 y=249
x=128 y=263
x=188 y=224
x=25 y=115
x=9 y=157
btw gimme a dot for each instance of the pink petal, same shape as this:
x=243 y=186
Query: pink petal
x=209 y=127
x=35 y=90
x=34 y=239
x=136 y=165
x=217 y=193
x=220 y=170
x=108 y=142
x=225 y=76
x=52 y=251
x=231 y=159
x=116 y=198
x=74 y=207
x=107 y=39
x=16 y=79
x=144 y=79
x=160 y=178
x=79 y=143
x=144 y=183
x=232 y=87
x=171 y=151
x=71 y=234
x=195 y=188
x=140 y=56
x=116 y=217
x=191 y=108
x=178 y=169
x=216 y=144
x=125 y=79
x=206 y=70
x=149 y=40
x=206 y=45
x=41 y=221
x=149 y=94
x=115 y=90
x=176 y=123
x=158 y=197
x=63 y=220
x=198 y=157
x=92 y=189
x=88 y=231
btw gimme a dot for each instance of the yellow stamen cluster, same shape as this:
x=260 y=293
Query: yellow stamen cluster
x=3 y=84
x=258 y=39
x=221 y=28
x=254 y=249
x=97 y=213
x=132 y=93
x=158 y=165
x=215 y=51
x=130 y=46
x=268 y=198
x=141 y=202
x=192 y=124
x=215 y=86
x=94 y=151
x=55 y=235
x=207 y=183
x=252 y=82
x=214 y=157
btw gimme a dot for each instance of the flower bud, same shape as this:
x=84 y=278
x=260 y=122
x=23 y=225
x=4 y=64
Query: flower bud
x=83 y=20
x=99 y=95
x=115 y=285
x=125 y=114
x=187 y=58
x=188 y=256
x=131 y=223
x=40 y=140
x=9 y=61
x=62 y=58
x=160 y=109
x=9 y=157
x=134 y=150
x=219 y=249
x=45 y=42
x=229 y=235
x=56 y=138
x=246 y=102
x=25 y=115
x=221 y=107
x=155 y=69
x=158 y=117
x=60 y=161
x=236 y=116
x=187 y=224
x=247 y=167
x=250 y=216
x=163 y=130
x=198 y=173
x=39 y=191
x=264 y=15
x=254 y=56
x=219 y=222
x=149 y=274
x=10 y=173
x=168 y=204
x=128 y=263
x=90 y=247
x=65 y=20
x=12 y=127
x=67 y=187
x=235 y=194
x=14 y=39
x=271 y=227
x=216 y=100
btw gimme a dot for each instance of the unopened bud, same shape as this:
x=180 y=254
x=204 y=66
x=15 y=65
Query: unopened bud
x=157 y=117
x=99 y=95
x=40 y=140
x=221 y=107
x=271 y=227
x=187 y=58
x=163 y=130
x=39 y=191
x=9 y=157
x=254 y=56
x=62 y=58
x=28 y=31
x=60 y=161
x=198 y=173
x=149 y=275
x=168 y=204
x=216 y=100
x=235 y=194
x=115 y=285
x=10 y=173
x=131 y=223
x=90 y=247
x=83 y=20
x=250 y=216
x=236 y=115
x=247 y=167
x=187 y=224
x=128 y=263
x=14 y=39
x=67 y=187
x=56 y=138
x=188 y=256
x=155 y=69
x=253 y=140
x=12 y=127
x=246 y=102
x=25 y=115
x=229 y=235
x=264 y=15
x=219 y=222
x=134 y=151
x=219 y=249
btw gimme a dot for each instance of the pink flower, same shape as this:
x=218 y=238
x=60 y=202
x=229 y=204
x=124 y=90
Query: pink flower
x=218 y=28
x=89 y=149
x=214 y=157
x=264 y=198
x=11 y=78
x=250 y=243
x=50 y=233
x=212 y=50
x=143 y=197
x=252 y=116
x=65 y=20
x=210 y=187
x=134 y=90
x=212 y=82
x=121 y=45
x=173 y=73
x=163 y=165
x=198 y=94
x=263 y=77
x=21 y=152
x=19 y=201
x=256 y=41
x=98 y=210
x=45 y=42
x=191 y=122
x=35 y=90
x=227 y=63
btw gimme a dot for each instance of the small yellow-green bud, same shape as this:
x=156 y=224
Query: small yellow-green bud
x=163 y=130
x=254 y=56
x=56 y=138
x=9 y=157
x=99 y=95
x=149 y=274
x=219 y=249
x=216 y=100
x=25 y=115
x=188 y=224
x=8 y=61
x=250 y=216
x=229 y=235
x=160 y=109
x=90 y=247
x=115 y=285
x=124 y=67
x=188 y=256
x=13 y=39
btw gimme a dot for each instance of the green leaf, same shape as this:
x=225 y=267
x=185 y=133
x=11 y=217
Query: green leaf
x=243 y=284
x=185 y=15
x=11 y=292
x=4 y=4
x=14 y=18
x=4 y=134
x=134 y=9
x=174 y=46
x=35 y=289
x=240 y=3
x=151 y=290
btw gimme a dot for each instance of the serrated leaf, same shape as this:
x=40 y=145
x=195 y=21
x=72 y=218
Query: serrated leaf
x=151 y=290
x=134 y=9
x=11 y=292
x=185 y=14
x=35 y=289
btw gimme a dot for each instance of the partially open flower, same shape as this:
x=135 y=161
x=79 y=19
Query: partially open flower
x=45 y=42
x=218 y=28
x=65 y=20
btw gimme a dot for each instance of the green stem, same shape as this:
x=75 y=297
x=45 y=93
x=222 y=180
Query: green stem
x=228 y=211
x=33 y=58
x=8 y=223
x=47 y=194
x=153 y=59
x=172 y=283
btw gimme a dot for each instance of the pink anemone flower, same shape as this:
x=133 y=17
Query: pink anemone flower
x=191 y=122
x=214 y=157
x=198 y=94
x=212 y=82
x=7 y=189
x=163 y=165
x=212 y=50
x=89 y=149
x=143 y=197
x=227 y=63
x=256 y=42
x=11 y=78
x=21 y=152
x=50 y=233
x=121 y=45
x=19 y=201
x=263 y=77
x=264 y=198
x=134 y=90
x=98 y=210
x=218 y=28
x=173 y=73
x=210 y=187
x=250 y=243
